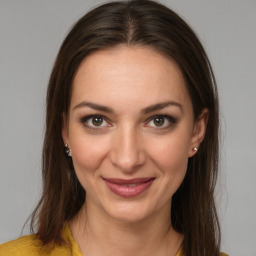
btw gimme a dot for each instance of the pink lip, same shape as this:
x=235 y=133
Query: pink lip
x=121 y=186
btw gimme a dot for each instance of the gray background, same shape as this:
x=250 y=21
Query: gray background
x=31 y=32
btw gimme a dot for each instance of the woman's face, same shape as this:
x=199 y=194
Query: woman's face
x=131 y=130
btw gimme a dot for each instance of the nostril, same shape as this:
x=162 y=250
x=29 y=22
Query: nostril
x=127 y=161
x=126 y=152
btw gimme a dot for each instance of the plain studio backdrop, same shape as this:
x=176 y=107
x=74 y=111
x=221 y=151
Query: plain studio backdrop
x=31 y=32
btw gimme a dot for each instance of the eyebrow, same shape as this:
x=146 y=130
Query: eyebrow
x=160 y=106
x=146 y=110
x=94 y=106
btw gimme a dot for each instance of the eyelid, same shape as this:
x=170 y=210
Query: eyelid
x=170 y=119
x=86 y=118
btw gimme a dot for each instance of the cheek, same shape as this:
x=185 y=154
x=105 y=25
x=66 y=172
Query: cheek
x=171 y=159
x=171 y=151
x=88 y=152
x=170 y=156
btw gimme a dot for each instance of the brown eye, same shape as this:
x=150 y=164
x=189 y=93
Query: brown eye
x=97 y=121
x=159 y=121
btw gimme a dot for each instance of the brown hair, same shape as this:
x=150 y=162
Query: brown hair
x=144 y=23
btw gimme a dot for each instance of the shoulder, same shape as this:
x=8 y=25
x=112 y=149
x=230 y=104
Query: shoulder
x=26 y=245
x=31 y=245
x=221 y=254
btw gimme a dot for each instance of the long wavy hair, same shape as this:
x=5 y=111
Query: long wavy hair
x=143 y=23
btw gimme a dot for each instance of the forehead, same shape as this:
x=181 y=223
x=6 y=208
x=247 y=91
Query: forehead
x=135 y=74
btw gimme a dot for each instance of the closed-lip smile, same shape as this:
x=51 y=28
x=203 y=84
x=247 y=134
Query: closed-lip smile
x=128 y=187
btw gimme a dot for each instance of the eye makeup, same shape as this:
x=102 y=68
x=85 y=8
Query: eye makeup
x=157 y=122
x=161 y=122
x=95 y=121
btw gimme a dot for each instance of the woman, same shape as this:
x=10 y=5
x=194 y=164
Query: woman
x=130 y=153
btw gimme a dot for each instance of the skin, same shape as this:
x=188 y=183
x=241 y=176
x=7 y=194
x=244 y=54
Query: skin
x=128 y=143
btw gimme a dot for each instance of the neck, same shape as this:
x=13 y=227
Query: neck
x=99 y=234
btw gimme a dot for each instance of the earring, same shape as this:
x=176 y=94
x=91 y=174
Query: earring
x=67 y=150
x=195 y=149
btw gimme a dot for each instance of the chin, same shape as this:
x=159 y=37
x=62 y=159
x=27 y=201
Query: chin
x=129 y=212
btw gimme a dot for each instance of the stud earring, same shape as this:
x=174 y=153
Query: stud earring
x=195 y=149
x=67 y=150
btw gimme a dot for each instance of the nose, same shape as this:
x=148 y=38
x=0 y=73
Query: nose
x=127 y=153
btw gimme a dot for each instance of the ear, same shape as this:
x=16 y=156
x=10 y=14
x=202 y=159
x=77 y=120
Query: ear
x=198 y=132
x=64 y=131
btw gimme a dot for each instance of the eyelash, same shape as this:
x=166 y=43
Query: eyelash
x=85 y=120
x=172 y=121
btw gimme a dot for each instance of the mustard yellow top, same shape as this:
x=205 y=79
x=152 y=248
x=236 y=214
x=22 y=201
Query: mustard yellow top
x=30 y=245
